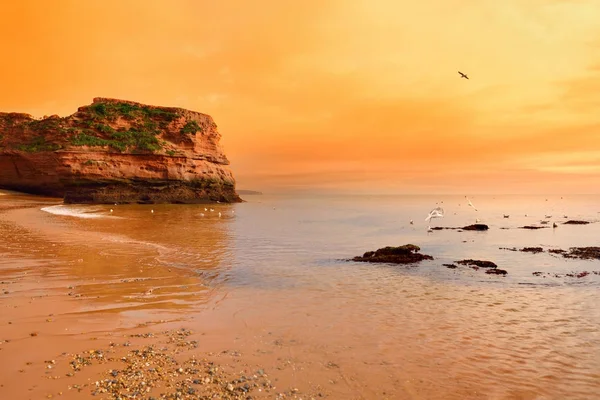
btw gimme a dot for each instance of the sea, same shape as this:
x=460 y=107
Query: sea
x=278 y=268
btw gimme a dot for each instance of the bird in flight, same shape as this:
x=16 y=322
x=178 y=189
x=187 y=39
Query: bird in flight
x=463 y=75
x=470 y=204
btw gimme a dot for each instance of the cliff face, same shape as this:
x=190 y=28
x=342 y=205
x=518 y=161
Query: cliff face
x=116 y=151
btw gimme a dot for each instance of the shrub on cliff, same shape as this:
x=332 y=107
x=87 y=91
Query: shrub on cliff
x=191 y=127
x=130 y=111
x=38 y=144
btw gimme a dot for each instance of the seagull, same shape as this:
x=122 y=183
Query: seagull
x=219 y=214
x=205 y=209
x=412 y=222
x=202 y=214
x=152 y=211
x=554 y=225
x=437 y=212
x=211 y=210
x=471 y=204
x=463 y=75
x=111 y=210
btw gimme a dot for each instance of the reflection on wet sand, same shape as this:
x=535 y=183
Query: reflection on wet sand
x=124 y=270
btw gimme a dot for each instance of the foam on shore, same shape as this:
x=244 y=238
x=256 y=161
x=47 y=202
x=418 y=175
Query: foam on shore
x=74 y=212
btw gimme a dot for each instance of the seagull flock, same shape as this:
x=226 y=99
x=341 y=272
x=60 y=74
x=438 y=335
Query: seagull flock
x=438 y=212
x=219 y=213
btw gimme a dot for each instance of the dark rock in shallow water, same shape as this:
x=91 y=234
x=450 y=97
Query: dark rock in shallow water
x=575 y=222
x=532 y=250
x=491 y=268
x=451 y=266
x=556 y=251
x=532 y=227
x=584 y=253
x=582 y=274
x=476 y=227
x=406 y=254
x=478 y=263
x=496 y=271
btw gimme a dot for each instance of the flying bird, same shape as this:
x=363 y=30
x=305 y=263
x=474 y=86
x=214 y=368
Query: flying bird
x=463 y=75
x=437 y=212
x=470 y=204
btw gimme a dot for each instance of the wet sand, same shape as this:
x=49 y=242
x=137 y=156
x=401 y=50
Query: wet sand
x=44 y=331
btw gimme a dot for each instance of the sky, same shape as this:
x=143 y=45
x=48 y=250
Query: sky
x=349 y=96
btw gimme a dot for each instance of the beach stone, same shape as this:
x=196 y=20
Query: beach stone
x=478 y=263
x=476 y=227
x=405 y=254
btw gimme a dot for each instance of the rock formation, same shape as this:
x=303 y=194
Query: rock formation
x=116 y=151
x=405 y=254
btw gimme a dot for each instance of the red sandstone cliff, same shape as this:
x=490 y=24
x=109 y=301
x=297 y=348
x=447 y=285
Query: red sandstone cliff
x=116 y=151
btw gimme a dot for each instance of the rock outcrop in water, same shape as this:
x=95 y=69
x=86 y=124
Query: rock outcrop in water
x=491 y=267
x=406 y=254
x=474 y=227
x=581 y=253
x=116 y=151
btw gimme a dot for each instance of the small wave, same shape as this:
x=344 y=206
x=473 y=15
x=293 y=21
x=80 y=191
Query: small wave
x=74 y=212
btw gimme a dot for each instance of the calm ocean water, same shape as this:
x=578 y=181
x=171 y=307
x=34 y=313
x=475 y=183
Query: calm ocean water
x=275 y=265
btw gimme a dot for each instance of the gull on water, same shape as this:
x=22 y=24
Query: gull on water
x=437 y=212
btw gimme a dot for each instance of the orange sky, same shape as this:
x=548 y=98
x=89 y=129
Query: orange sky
x=353 y=95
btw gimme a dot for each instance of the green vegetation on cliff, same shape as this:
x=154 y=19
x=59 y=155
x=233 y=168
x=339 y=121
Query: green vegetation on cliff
x=117 y=126
x=130 y=111
x=121 y=141
x=38 y=144
x=191 y=127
